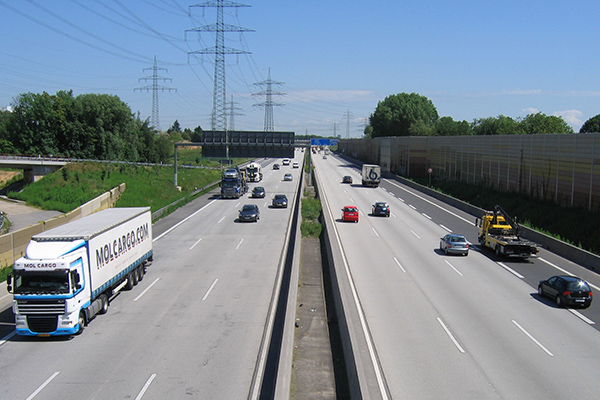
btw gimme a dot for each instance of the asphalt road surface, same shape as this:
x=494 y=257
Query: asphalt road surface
x=454 y=327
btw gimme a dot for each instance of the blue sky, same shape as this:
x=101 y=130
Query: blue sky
x=337 y=59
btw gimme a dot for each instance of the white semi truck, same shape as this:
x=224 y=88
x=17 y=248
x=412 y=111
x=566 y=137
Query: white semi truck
x=254 y=172
x=371 y=175
x=70 y=272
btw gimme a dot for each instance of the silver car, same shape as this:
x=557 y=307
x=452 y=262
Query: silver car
x=453 y=243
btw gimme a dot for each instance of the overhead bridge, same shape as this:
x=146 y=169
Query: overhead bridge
x=34 y=167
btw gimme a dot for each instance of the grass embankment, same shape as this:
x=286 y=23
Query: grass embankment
x=78 y=183
x=574 y=226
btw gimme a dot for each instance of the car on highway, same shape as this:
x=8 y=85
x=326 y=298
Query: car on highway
x=275 y=166
x=258 y=192
x=295 y=165
x=288 y=177
x=347 y=179
x=286 y=161
x=280 y=201
x=381 y=208
x=350 y=213
x=454 y=243
x=566 y=290
x=249 y=213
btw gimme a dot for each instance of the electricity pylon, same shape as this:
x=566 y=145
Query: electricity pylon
x=154 y=87
x=268 y=103
x=219 y=114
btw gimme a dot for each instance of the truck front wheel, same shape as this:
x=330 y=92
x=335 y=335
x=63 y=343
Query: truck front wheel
x=81 y=322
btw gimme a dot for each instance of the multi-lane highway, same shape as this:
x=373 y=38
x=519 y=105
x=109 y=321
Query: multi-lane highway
x=442 y=327
x=193 y=328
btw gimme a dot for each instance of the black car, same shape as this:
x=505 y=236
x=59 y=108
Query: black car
x=280 y=201
x=567 y=290
x=347 y=179
x=381 y=208
x=258 y=191
x=249 y=212
x=275 y=166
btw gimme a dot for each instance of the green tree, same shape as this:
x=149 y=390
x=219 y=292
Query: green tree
x=395 y=115
x=446 y=126
x=592 y=125
x=196 y=134
x=501 y=125
x=542 y=123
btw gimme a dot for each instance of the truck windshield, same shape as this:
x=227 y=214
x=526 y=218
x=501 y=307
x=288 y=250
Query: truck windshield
x=229 y=184
x=41 y=282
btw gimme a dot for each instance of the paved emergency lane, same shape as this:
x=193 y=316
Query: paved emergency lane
x=192 y=328
x=449 y=326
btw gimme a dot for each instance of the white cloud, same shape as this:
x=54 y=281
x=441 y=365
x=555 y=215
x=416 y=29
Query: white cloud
x=572 y=117
x=530 y=110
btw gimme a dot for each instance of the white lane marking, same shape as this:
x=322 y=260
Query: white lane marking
x=446 y=228
x=38 y=390
x=393 y=215
x=181 y=222
x=509 y=269
x=413 y=207
x=222 y=218
x=564 y=271
x=414 y=233
x=400 y=265
x=374 y=231
x=532 y=338
x=428 y=201
x=146 y=386
x=237 y=205
x=197 y=241
x=145 y=290
x=458 y=346
x=457 y=271
x=581 y=316
x=401 y=199
x=239 y=244
x=426 y=216
x=210 y=289
x=7 y=337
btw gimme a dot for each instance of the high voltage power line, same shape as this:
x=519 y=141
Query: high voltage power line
x=268 y=103
x=155 y=88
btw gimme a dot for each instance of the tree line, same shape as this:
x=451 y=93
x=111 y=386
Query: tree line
x=411 y=114
x=89 y=126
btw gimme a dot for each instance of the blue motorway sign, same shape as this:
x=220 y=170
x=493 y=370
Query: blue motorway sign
x=323 y=142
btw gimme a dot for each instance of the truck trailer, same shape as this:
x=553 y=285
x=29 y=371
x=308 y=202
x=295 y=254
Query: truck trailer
x=500 y=233
x=69 y=273
x=371 y=175
x=233 y=184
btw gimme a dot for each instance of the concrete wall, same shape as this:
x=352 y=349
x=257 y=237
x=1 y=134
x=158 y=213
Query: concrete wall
x=13 y=244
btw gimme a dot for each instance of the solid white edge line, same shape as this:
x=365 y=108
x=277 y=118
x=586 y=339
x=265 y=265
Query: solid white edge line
x=181 y=222
x=146 y=386
x=532 y=338
x=428 y=201
x=38 y=390
x=458 y=346
x=210 y=289
x=509 y=269
x=564 y=271
x=457 y=271
x=361 y=315
x=145 y=290
x=400 y=265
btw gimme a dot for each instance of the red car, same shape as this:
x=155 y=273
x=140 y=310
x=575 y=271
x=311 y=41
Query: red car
x=350 y=213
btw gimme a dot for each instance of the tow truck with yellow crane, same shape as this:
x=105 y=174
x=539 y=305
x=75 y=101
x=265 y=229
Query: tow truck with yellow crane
x=500 y=233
